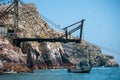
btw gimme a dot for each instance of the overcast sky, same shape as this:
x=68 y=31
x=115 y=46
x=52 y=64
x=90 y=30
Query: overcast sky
x=102 y=17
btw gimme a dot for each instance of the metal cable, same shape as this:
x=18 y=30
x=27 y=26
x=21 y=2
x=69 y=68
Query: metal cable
x=107 y=49
x=6 y=10
x=52 y=23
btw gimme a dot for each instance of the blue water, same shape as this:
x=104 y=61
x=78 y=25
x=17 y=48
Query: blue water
x=61 y=74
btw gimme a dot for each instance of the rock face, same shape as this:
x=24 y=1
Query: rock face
x=11 y=58
x=44 y=55
x=90 y=53
x=40 y=55
x=109 y=61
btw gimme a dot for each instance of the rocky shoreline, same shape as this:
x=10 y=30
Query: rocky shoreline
x=11 y=58
x=16 y=59
x=44 y=55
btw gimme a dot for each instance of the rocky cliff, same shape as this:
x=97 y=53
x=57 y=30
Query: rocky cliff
x=11 y=58
x=89 y=53
x=43 y=55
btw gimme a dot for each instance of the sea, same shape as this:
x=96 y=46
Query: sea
x=98 y=73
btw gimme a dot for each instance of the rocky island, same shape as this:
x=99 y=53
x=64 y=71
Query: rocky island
x=43 y=55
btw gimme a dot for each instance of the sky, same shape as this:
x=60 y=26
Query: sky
x=102 y=19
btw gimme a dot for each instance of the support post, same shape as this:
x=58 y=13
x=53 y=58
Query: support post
x=16 y=43
x=81 y=30
x=15 y=18
x=66 y=33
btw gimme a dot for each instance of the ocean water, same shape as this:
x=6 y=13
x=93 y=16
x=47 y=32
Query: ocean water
x=61 y=74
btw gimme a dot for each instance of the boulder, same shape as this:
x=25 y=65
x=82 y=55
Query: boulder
x=1 y=71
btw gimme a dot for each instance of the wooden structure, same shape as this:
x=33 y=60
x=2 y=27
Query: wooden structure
x=17 y=41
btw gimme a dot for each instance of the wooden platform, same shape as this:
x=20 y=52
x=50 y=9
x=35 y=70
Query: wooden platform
x=17 y=41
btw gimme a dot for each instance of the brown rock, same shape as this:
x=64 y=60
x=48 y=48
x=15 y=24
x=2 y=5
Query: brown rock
x=1 y=71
